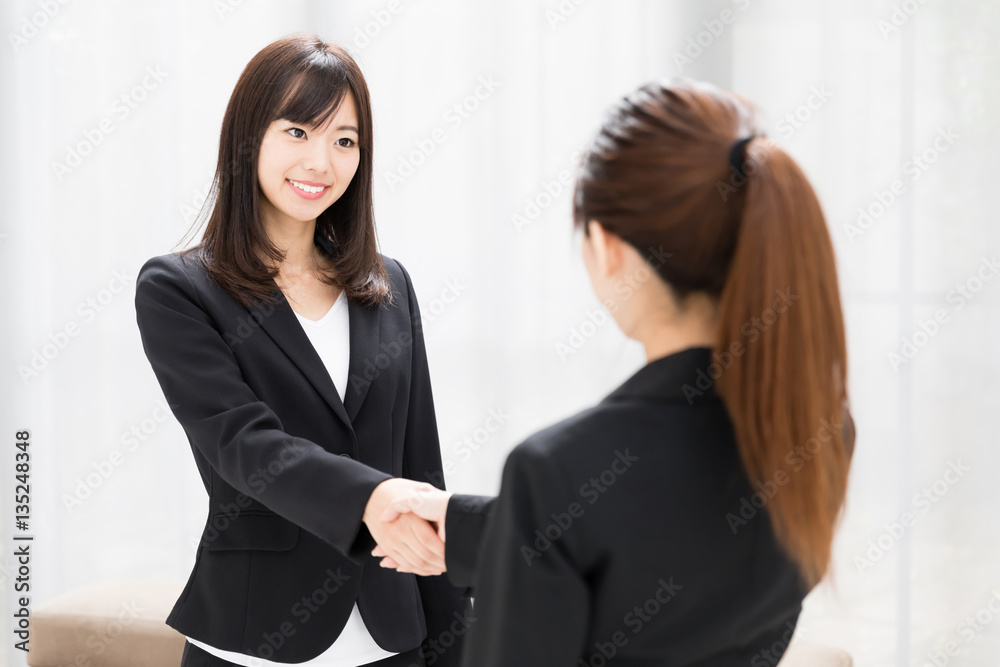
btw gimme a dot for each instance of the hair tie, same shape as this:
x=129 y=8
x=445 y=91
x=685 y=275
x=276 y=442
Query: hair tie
x=736 y=155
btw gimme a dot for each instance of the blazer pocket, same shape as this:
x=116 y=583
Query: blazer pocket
x=251 y=529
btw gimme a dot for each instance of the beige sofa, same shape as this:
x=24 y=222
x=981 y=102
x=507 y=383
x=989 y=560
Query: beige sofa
x=120 y=624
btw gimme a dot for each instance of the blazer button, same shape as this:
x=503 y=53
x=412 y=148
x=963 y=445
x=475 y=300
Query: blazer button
x=346 y=455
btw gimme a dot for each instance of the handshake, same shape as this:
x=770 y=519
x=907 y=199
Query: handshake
x=406 y=518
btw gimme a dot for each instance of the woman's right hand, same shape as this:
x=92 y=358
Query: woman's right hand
x=409 y=539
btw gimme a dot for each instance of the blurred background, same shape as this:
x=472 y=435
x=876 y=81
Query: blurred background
x=109 y=131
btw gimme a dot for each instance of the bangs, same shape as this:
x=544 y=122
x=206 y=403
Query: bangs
x=314 y=95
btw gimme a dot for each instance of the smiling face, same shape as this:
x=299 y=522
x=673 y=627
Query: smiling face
x=302 y=170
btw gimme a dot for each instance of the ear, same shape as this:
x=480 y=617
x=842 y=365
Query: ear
x=607 y=248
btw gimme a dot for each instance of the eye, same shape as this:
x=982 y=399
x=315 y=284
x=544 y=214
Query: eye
x=349 y=144
x=293 y=130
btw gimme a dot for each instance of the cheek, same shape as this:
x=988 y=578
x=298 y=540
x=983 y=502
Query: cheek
x=274 y=160
x=265 y=163
x=347 y=168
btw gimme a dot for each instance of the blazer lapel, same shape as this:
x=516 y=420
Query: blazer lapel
x=365 y=339
x=286 y=331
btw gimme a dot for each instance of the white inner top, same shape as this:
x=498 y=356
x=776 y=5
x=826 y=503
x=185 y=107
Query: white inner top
x=330 y=336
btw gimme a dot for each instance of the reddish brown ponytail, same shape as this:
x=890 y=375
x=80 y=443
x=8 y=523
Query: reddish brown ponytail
x=787 y=394
x=657 y=174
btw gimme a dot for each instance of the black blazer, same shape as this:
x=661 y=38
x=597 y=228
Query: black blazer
x=289 y=468
x=621 y=532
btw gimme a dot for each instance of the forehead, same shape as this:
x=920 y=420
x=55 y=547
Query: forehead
x=345 y=117
x=319 y=103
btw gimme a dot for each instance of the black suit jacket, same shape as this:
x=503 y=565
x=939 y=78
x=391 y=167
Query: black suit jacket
x=620 y=537
x=289 y=467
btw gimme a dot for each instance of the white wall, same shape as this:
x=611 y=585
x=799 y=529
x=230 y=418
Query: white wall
x=886 y=95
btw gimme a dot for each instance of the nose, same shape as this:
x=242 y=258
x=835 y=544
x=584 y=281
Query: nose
x=318 y=157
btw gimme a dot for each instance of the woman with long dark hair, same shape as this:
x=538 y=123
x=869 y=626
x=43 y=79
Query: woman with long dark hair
x=291 y=352
x=682 y=520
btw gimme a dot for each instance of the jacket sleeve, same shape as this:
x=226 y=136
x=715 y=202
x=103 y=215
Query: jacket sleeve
x=446 y=610
x=421 y=446
x=464 y=525
x=239 y=435
x=532 y=599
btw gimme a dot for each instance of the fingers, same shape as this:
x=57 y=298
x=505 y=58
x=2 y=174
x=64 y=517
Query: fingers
x=402 y=505
x=390 y=514
x=413 y=545
x=426 y=542
x=406 y=518
x=422 y=549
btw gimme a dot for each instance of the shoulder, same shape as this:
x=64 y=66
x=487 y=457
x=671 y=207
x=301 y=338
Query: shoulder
x=567 y=438
x=399 y=281
x=171 y=267
x=558 y=450
x=394 y=269
x=617 y=434
x=176 y=280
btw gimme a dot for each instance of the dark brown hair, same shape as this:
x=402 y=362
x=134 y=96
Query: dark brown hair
x=302 y=79
x=658 y=173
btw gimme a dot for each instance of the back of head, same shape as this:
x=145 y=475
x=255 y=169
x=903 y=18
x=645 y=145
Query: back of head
x=751 y=234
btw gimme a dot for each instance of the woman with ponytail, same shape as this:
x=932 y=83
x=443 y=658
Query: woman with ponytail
x=682 y=520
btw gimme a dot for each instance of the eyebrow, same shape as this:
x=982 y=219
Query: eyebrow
x=342 y=127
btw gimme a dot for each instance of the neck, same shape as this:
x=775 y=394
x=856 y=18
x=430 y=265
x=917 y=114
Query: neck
x=666 y=331
x=295 y=239
x=664 y=343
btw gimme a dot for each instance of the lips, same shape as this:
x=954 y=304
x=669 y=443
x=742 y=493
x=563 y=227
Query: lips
x=307 y=189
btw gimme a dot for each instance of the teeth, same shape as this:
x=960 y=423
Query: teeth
x=306 y=188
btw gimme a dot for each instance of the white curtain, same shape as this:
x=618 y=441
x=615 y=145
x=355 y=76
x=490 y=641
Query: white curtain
x=110 y=119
